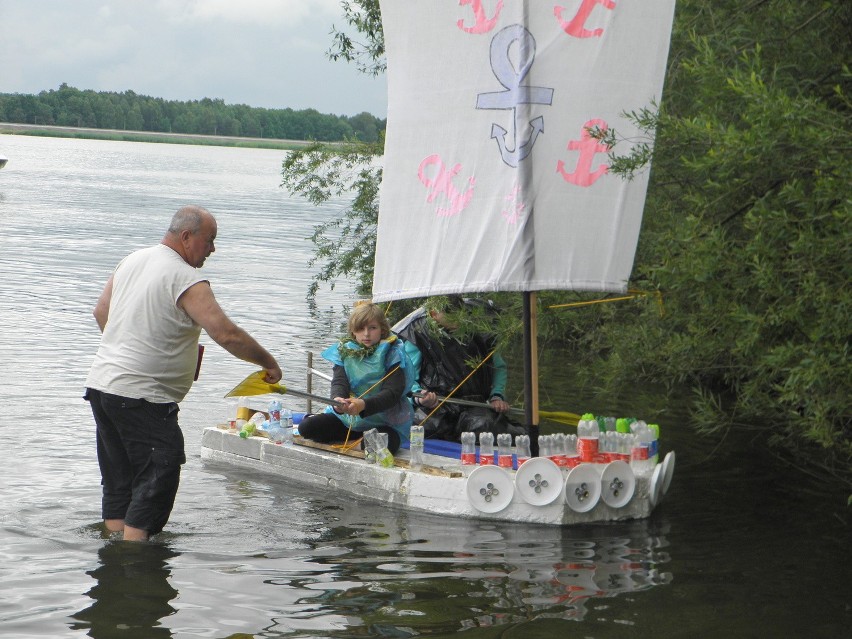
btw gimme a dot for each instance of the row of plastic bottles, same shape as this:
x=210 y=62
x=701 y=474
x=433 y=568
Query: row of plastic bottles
x=279 y=426
x=487 y=450
x=603 y=439
x=625 y=439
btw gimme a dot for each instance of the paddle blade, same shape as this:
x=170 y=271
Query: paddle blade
x=254 y=384
x=563 y=417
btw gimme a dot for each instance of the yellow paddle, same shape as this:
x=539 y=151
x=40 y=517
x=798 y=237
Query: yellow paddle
x=254 y=384
x=563 y=417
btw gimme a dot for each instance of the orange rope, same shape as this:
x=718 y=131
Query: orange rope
x=635 y=294
x=344 y=446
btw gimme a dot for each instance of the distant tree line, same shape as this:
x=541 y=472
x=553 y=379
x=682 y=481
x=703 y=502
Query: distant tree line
x=68 y=106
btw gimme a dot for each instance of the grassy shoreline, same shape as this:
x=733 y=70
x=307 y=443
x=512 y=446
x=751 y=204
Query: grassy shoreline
x=148 y=136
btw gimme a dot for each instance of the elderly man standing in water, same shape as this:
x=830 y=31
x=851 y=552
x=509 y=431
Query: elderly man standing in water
x=151 y=313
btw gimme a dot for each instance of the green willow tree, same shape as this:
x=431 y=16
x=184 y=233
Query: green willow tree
x=745 y=234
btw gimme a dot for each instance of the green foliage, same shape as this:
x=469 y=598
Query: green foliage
x=747 y=224
x=365 y=18
x=319 y=172
x=746 y=229
x=68 y=106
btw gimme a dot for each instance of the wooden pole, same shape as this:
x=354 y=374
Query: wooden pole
x=531 y=369
x=310 y=377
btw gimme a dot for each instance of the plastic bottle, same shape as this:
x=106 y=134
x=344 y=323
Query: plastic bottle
x=243 y=413
x=557 y=452
x=286 y=426
x=379 y=446
x=625 y=445
x=416 y=447
x=610 y=440
x=588 y=434
x=545 y=445
x=571 y=455
x=640 y=459
x=605 y=424
x=654 y=448
x=370 y=446
x=250 y=427
x=504 y=450
x=486 y=449
x=522 y=448
x=468 y=449
x=384 y=457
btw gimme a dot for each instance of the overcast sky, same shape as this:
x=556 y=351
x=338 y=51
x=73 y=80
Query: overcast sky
x=264 y=53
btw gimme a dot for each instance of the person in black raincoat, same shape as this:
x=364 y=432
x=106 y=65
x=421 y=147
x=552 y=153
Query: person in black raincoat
x=441 y=362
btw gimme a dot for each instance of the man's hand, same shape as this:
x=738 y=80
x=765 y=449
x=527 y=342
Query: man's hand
x=427 y=399
x=499 y=404
x=272 y=375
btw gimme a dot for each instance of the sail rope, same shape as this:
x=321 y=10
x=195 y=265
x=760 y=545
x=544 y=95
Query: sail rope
x=460 y=384
x=351 y=421
x=634 y=293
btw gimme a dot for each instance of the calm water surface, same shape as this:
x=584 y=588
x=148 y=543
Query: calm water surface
x=740 y=547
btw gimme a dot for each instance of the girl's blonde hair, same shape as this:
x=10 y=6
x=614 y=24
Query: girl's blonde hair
x=363 y=314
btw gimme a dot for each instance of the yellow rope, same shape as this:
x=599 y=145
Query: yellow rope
x=635 y=294
x=352 y=420
x=460 y=384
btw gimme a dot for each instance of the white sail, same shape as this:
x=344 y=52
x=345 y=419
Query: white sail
x=491 y=181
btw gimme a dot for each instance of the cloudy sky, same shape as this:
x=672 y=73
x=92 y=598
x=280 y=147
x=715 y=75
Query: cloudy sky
x=264 y=53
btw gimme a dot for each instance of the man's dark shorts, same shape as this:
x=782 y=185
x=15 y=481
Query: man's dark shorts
x=140 y=452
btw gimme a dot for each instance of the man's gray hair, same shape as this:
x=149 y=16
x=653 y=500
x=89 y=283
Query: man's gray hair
x=188 y=218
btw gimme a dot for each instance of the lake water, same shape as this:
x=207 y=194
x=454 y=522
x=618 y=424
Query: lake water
x=741 y=547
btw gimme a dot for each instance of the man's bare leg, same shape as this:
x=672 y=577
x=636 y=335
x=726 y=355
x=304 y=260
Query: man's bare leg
x=135 y=534
x=114 y=525
x=130 y=533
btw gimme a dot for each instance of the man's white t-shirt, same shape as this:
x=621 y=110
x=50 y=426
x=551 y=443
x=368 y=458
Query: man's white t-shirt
x=149 y=347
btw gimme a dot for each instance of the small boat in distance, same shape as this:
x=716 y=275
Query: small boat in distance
x=3 y=160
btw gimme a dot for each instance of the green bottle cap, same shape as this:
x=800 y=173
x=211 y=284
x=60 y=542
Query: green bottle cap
x=587 y=416
x=622 y=425
x=655 y=428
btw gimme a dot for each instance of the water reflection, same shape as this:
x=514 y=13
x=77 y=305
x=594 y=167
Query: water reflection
x=425 y=575
x=131 y=594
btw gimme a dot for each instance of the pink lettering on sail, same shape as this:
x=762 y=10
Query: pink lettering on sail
x=576 y=26
x=483 y=23
x=442 y=184
x=515 y=206
x=588 y=147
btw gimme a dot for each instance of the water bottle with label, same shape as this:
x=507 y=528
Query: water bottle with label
x=286 y=426
x=640 y=459
x=558 y=453
x=504 y=450
x=486 y=449
x=273 y=430
x=416 y=447
x=468 y=448
x=588 y=434
x=654 y=448
x=545 y=446
x=522 y=448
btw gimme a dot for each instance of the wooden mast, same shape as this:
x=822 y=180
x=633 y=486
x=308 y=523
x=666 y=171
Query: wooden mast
x=531 y=369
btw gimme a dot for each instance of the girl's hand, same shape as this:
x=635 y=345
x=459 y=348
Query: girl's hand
x=354 y=405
